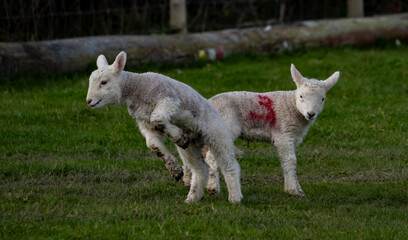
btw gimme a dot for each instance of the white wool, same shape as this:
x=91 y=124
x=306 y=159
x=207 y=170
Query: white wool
x=164 y=107
x=281 y=118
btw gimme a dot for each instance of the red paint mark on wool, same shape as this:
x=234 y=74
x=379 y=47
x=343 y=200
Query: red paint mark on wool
x=270 y=116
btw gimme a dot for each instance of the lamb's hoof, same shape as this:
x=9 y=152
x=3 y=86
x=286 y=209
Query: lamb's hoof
x=235 y=200
x=294 y=192
x=213 y=191
x=183 y=142
x=192 y=199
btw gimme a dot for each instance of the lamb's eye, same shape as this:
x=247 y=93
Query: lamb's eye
x=301 y=96
x=322 y=99
x=104 y=82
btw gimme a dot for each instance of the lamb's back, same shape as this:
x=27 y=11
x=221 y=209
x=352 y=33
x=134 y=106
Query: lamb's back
x=258 y=116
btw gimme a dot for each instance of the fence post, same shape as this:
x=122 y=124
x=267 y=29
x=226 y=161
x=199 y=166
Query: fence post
x=282 y=10
x=355 y=8
x=178 y=16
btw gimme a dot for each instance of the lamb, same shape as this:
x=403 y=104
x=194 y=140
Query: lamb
x=281 y=118
x=162 y=107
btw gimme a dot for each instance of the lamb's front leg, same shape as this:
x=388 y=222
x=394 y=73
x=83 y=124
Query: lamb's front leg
x=160 y=119
x=287 y=156
x=155 y=142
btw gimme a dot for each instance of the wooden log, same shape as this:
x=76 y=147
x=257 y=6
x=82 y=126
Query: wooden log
x=68 y=55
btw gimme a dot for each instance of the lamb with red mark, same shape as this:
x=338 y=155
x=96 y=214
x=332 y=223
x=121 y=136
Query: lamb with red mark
x=253 y=116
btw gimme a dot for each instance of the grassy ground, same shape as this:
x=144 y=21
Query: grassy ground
x=67 y=171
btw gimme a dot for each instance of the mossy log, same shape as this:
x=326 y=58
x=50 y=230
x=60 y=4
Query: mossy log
x=69 y=55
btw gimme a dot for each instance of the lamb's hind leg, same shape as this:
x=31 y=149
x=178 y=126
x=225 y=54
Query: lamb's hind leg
x=287 y=158
x=187 y=176
x=213 y=185
x=154 y=141
x=194 y=160
x=225 y=159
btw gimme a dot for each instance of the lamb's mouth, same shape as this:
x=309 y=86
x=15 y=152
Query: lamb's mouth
x=308 y=118
x=93 y=105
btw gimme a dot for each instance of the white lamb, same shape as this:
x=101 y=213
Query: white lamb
x=165 y=107
x=281 y=118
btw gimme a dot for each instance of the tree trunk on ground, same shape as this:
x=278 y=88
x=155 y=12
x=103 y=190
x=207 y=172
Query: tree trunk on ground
x=76 y=54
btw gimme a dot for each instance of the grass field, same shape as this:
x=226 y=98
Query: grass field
x=70 y=172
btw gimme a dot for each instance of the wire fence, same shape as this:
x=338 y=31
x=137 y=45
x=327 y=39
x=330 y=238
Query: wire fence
x=32 y=20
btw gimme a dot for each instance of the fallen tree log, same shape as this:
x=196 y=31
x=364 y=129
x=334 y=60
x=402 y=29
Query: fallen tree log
x=68 y=55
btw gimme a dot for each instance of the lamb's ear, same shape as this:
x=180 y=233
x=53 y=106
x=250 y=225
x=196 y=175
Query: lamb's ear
x=296 y=76
x=119 y=63
x=329 y=83
x=101 y=61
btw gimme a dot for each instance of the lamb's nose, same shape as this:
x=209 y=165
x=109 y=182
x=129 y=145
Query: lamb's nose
x=311 y=114
x=89 y=101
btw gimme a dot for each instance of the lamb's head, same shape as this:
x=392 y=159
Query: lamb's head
x=104 y=83
x=311 y=93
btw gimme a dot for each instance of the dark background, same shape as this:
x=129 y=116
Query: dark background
x=31 y=20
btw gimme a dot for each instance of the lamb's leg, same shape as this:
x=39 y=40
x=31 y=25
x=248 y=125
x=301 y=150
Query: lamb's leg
x=154 y=141
x=213 y=185
x=174 y=133
x=287 y=158
x=225 y=159
x=194 y=160
x=160 y=121
x=187 y=177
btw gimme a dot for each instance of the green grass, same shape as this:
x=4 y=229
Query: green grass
x=70 y=172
